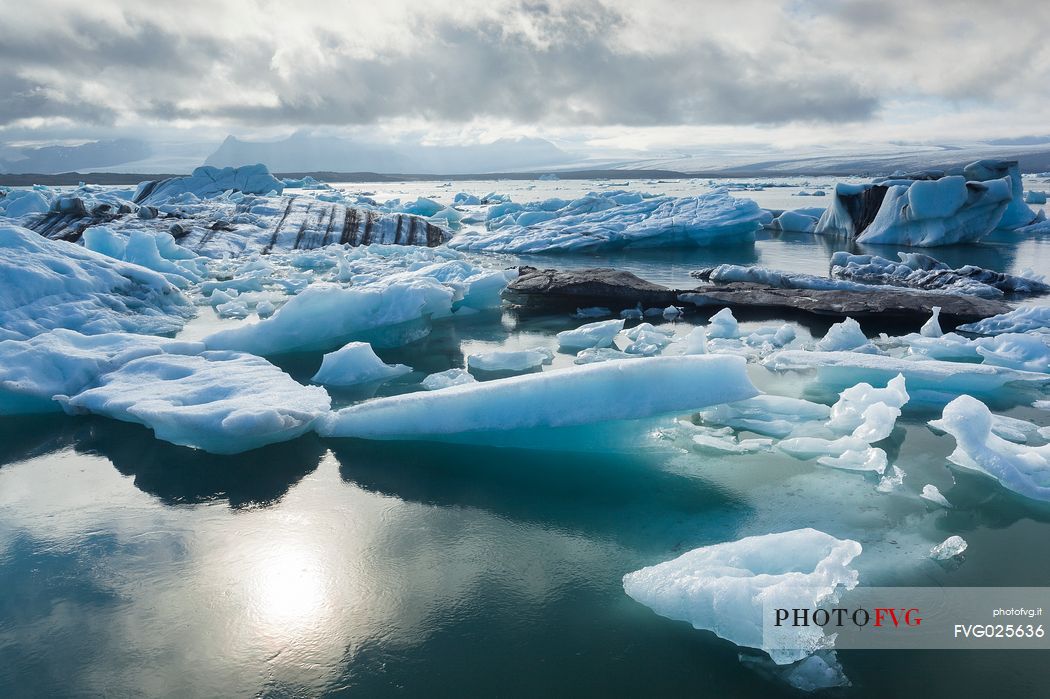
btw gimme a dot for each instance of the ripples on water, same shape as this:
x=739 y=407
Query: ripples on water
x=132 y=567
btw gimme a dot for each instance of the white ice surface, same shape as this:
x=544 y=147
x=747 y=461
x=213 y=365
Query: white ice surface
x=727 y=588
x=356 y=363
x=599 y=334
x=221 y=402
x=600 y=392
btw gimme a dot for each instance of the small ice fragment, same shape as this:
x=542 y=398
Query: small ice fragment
x=891 y=481
x=949 y=548
x=723 y=325
x=510 y=360
x=933 y=494
x=444 y=379
x=599 y=334
x=932 y=328
x=355 y=363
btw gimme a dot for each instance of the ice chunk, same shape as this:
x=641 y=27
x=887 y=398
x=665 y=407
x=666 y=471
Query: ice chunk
x=23 y=202
x=695 y=342
x=794 y=222
x=600 y=334
x=511 y=360
x=1033 y=197
x=64 y=362
x=613 y=220
x=599 y=392
x=445 y=379
x=602 y=354
x=222 y=402
x=207 y=181
x=1020 y=320
x=356 y=363
x=1022 y=469
x=946 y=378
x=932 y=328
x=1027 y=352
x=949 y=548
x=727 y=588
x=47 y=284
x=933 y=494
x=723 y=325
x=869 y=459
x=891 y=481
x=846 y=335
x=917 y=212
x=850 y=412
x=775 y=416
x=1016 y=214
x=327 y=315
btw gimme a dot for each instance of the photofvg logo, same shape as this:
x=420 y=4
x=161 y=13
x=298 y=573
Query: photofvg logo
x=839 y=617
x=908 y=617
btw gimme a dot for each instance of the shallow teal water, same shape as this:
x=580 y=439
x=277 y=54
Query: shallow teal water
x=132 y=567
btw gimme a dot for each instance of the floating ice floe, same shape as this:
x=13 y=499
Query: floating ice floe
x=510 y=360
x=600 y=334
x=1020 y=320
x=602 y=354
x=221 y=402
x=918 y=271
x=933 y=494
x=447 y=378
x=949 y=548
x=723 y=325
x=929 y=212
x=47 y=284
x=774 y=416
x=604 y=220
x=1022 y=469
x=64 y=362
x=847 y=335
x=730 y=588
x=600 y=392
x=356 y=363
x=207 y=181
x=933 y=376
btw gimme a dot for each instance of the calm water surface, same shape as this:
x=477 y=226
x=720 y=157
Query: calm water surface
x=132 y=567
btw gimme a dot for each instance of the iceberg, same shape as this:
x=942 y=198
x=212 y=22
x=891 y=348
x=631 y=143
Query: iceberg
x=327 y=315
x=445 y=379
x=511 y=360
x=1023 y=351
x=728 y=588
x=613 y=220
x=64 y=362
x=600 y=392
x=1022 y=469
x=47 y=284
x=356 y=363
x=723 y=325
x=775 y=416
x=221 y=402
x=846 y=335
x=1020 y=320
x=949 y=548
x=207 y=181
x=846 y=368
x=850 y=412
x=600 y=334
x=1017 y=214
x=918 y=271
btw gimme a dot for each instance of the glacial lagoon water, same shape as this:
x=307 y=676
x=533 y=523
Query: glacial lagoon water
x=131 y=567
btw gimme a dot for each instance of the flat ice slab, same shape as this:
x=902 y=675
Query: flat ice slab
x=600 y=392
x=724 y=588
x=222 y=402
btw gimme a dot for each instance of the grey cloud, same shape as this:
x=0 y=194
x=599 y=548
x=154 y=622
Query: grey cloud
x=451 y=69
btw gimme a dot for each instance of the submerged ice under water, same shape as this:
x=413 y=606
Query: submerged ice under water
x=138 y=567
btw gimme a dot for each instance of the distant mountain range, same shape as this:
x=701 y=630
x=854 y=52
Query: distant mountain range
x=309 y=153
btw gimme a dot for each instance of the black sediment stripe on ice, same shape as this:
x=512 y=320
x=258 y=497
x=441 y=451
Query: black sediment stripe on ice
x=435 y=235
x=303 y=227
x=370 y=220
x=349 y=227
x=327 y=237
x=397 y=231
x=413 y=230
x=277 y=229
x=147 y=190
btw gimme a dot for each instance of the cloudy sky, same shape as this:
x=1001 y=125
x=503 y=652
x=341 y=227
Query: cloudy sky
x=606 y=73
